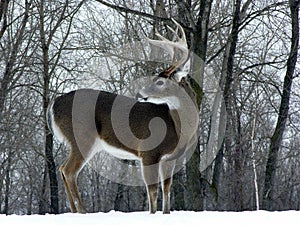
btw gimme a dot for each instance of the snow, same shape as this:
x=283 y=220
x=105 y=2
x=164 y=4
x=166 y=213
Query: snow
x=175 y=218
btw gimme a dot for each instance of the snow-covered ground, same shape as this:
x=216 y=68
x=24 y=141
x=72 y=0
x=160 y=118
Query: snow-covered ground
x=144 y=218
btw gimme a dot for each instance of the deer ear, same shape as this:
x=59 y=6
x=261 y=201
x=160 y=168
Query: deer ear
x=180 y=75
x=183 y=72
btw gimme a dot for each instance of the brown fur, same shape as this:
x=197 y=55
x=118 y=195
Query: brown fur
x=140 y=116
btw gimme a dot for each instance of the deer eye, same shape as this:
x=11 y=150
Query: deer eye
x=159 y=83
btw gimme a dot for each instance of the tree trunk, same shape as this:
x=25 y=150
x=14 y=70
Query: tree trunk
x=178 y=190
x=52 y=172
x=7 y=183
x=50 y=163
x=30 y=193
x=196 y=187
x=232 y=125
x=49 y=147
x=276 y=139
x=3 y=16
x=42 y=194
x=119 y=200
x=47 y=32
x=49 y=138
x=217 y=174
x=201 y=33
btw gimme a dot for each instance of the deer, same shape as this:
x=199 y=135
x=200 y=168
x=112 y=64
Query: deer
x=160 y=124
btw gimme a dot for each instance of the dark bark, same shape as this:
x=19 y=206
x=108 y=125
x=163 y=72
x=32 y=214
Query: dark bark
x=42 y=200
x=217 y=173
x=201 y=32
x=46 y=39
x=7 y=184
x=119 y=200
x=49 y=139
x=3 y=16
x=50 y=163
x=178 y=190
x=233 y=133
x=49 y=145
x=276 y=139
x=52 y=172
x=229 y=57
x=196 y=187
x=30 y=193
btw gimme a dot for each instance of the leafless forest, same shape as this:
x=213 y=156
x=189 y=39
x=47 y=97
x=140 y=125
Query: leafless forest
x=250 y=47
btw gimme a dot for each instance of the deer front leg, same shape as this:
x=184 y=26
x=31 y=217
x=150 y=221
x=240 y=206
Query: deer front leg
x=150 y=174
x=166 y=173
x=152 y=197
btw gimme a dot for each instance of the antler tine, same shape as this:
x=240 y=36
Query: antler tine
x=178 y=41
x=160 y=36
x=181 y=44
x=162 y=43
x=175 y=32
x=183 y=38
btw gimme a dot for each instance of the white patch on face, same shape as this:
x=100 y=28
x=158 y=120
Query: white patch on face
x=141 y=100
x=179 y=75
x=171 y=101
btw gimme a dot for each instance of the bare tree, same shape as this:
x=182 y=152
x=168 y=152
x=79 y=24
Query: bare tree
x=60 y=14
x=276 y=139
x=12 y=50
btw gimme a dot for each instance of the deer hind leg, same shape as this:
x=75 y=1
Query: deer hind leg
x=69 y=172
x=68 y=192
x=150 y=174
x=166 y=174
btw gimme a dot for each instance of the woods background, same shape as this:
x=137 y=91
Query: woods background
x=50 y=47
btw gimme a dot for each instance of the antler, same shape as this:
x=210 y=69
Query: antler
x=179 y=42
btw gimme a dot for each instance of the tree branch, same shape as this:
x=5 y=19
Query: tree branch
x=131 y=11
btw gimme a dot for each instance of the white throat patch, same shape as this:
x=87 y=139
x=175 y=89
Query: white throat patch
x=172 y=101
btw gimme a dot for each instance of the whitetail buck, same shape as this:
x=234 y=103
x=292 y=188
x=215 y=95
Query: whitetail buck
x=159 y=125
